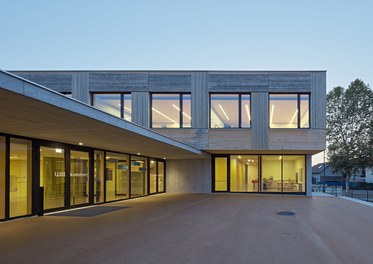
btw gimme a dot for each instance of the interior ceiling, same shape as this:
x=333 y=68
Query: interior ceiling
x=28 y=117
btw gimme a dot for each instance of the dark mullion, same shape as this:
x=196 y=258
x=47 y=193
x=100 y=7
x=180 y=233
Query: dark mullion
x=91 y=181
x=156 y=177
x=67 y=176
x=105 y=176
x=151 y=111
x=298 y=105
x=129 y=176
x=181 y=100
x=282 y=173
x=7 y=177
x=240 y=110
x=35 y=178
x=228 y=157
x=122 y=105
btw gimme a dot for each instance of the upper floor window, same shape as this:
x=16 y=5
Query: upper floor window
x=230 y=111
x=117 y=104
x=171 y=111
x=289 y=111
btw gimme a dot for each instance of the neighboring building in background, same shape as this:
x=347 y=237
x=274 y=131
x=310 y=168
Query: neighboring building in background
x=323 y=172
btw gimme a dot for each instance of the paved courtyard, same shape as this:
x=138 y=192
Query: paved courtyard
x=197 y=228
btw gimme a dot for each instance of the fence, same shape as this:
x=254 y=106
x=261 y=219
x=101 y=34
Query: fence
x=365 y=195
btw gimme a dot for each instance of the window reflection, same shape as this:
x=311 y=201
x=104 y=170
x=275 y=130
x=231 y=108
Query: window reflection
x=230 y=111
x=171 y=111
x=112 y=104
x=289 y=111
x=304 y=111
x=20 y=177
x=52 y=176
x=187 y=116
x=117 y=176
x=245 y=111
x=224 y=111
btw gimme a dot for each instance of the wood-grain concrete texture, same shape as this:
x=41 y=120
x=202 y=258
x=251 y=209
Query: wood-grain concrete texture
x=200 y=84
x=200 y=228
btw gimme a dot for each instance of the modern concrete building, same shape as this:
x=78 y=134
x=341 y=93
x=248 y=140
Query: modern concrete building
x=74 y=138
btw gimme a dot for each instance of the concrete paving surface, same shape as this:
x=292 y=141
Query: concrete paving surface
x=199 y=228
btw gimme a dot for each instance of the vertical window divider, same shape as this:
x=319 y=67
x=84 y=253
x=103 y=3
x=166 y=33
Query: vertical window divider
x=298 y=107
x=7 y=177
x=240 y=110
x=122 y=105
x=181 y=99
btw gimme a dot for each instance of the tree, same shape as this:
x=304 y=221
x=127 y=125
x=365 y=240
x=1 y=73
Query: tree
x=350 y=128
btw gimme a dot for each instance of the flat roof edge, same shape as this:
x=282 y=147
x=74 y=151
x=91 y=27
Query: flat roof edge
x=113 y=121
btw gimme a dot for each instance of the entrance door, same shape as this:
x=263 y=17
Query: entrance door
x=52 y=176
x=221 y=167
x=138 y=176
x=79 y=177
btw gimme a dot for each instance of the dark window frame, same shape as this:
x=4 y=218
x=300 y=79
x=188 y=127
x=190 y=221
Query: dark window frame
x=181 y=107
x=239 y=110
x=122 y=94
x=298 y=108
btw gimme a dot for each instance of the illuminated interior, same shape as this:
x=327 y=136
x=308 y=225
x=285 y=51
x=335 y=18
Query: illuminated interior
x=111 y=103
x=117 y=176
x=225 y=111
x=79 y=177
x=52 y=176
x=138 y=176
x=244 y=175
x=261 y=173
x=285 y=113
x=20 y=177
x=2 y=177
x=169 y=109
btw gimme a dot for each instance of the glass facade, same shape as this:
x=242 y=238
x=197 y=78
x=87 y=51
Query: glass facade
x=79 y=177
x=117 y=104
x=156 y=176
x=161 y=178
x=260 y=173
x=20 y=191
x=289 y=111
x=244 y=176
x=221 y=174
x=171 y=111
x=117 y=176
x=138 y=176
x=52 y=176
x=2 y=176
x=98 y=176
x=230 y=111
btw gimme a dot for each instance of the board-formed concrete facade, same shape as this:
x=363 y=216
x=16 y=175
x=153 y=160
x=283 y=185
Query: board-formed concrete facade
x=195 y=175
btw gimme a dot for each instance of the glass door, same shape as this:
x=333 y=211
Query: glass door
x=52 y=176
x=244 y=173
x=138 y=176
x=221 y=168
x=153 y=176
x=20 y=195
x=79 y=177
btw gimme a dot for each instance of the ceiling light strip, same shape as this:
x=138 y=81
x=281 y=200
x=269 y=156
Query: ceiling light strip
x=223 y=112
x=155 y=110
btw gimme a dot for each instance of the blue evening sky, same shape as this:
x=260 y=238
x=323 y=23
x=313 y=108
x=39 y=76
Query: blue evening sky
x=332 y=35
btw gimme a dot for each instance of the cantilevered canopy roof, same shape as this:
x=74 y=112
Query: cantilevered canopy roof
x=30 y=110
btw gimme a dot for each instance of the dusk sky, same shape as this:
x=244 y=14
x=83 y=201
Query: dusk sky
x=333 y=35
